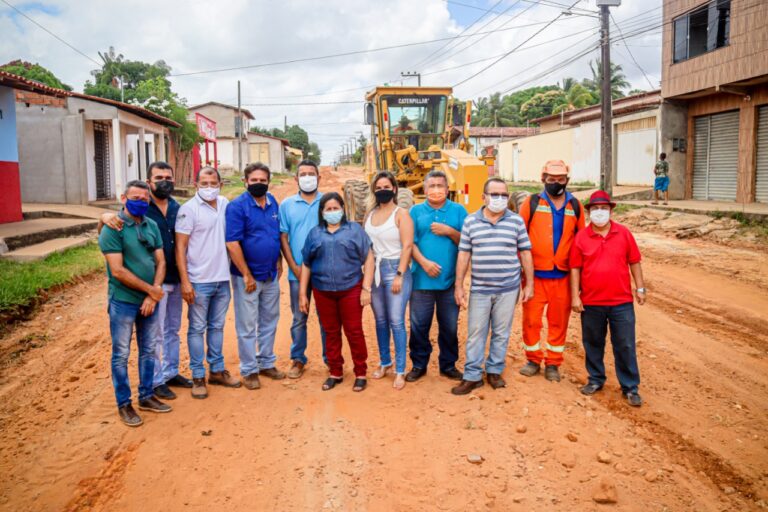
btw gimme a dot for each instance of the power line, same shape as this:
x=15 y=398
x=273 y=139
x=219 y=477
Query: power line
x=51 y=33
x=512 y=50
x=347 y=54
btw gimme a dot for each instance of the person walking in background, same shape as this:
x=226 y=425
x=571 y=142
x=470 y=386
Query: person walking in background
x=338 y=264
x=201 y=256
x=602 y=258
x=552 y=219
x=495 y=241
x=253 y=242
x=437 y=229
x=163 y=209
x=136 y=269
x=390 y=229
x=661 y=182
x=298 y=215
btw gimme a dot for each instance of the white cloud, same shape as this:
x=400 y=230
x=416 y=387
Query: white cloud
x=198 y=35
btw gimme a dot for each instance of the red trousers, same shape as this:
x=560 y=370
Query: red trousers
x=338 y=310
x=555 y=295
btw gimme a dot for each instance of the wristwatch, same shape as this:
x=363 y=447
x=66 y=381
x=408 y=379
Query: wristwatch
x=641 y=290
x=399 y=274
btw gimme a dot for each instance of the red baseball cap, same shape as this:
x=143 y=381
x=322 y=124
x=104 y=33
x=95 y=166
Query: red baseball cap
x=598 y=198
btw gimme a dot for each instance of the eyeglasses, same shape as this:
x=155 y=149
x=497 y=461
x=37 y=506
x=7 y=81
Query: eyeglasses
x=499 y=196
x=142 y=239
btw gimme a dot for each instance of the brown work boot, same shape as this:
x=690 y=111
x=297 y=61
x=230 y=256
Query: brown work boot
x=296 y=370
x=223 y=378
x=530 y=369
x=128 y=416
x=252 y=381
x=198 y=388
x=272 y=373
x=466 y=387
x=495 y=380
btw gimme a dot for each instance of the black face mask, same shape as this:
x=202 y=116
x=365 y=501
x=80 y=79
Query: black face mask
x=554 y=189
x=257 y=189
x=384 y=196
x=163 y=189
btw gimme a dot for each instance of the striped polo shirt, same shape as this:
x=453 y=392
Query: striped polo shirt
x=494 y=247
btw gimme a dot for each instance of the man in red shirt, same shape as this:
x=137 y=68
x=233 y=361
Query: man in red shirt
x=602 y=257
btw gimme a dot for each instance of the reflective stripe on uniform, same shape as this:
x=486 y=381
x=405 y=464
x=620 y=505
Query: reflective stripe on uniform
x=531 y=348
x=554 y=348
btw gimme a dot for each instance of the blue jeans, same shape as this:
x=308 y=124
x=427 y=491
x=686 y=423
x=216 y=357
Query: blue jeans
x=206 y=316
x=389 y=311
x=595 y=321
x=167 y=339
x=122 y=317
x=299 y=327
x=495 y=311
x=256 y=316
x=423 y=306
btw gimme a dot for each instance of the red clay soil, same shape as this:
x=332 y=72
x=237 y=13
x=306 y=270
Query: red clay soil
x=697 y=444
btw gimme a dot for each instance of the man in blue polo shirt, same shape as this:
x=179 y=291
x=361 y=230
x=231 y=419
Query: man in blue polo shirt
x=298 y=215
x=253 y=242
x=437 y=229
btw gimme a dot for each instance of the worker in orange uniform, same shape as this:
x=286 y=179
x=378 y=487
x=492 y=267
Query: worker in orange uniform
x=552 y=224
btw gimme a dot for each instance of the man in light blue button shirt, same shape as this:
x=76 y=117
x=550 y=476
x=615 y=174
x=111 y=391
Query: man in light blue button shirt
x=437 y=226
x=298 y=215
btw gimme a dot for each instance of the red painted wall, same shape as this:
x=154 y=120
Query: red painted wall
x=10 y=202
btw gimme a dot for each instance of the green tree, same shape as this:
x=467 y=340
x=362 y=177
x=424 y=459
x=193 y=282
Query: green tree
x=34 y=72
x=618 y=79
x=116 y=68
x=635 y=91
x=542 y=104
x=577 y=96
x=358 y=156
x=493 y=111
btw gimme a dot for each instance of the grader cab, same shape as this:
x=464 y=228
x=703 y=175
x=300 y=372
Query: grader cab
x=411 y=134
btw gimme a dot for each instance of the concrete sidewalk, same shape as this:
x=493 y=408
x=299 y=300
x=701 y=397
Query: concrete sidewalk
x=37 y=210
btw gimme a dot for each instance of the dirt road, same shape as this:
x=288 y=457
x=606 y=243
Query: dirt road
x=697 y=444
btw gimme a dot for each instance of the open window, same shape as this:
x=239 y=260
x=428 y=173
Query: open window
x=702 y=30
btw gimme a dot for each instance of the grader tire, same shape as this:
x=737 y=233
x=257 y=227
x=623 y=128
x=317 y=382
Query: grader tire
x=405 y=198
x=355 y=199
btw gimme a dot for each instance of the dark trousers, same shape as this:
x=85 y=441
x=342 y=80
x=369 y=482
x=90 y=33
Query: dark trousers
x=423 y=306
x=338 y=310
x=595 y=321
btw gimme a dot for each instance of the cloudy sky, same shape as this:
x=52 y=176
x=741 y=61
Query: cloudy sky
x=447 y=41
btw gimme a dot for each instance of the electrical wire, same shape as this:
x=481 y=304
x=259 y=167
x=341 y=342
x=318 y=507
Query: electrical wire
x=51 y=33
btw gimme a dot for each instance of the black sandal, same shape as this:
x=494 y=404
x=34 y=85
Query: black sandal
x=331 y=382
x=359 y=385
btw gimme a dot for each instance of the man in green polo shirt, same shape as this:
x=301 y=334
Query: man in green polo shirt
x=136 y=269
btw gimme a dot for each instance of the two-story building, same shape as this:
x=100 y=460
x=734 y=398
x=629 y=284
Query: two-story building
x=229 y=128
x=715 y=66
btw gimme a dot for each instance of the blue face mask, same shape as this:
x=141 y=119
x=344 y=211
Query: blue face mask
x=333 y=217
x=136 y=207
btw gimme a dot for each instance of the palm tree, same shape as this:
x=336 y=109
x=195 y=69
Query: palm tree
x=568 y=82
x=577 y=96
x=493 y=111
x=618 y=79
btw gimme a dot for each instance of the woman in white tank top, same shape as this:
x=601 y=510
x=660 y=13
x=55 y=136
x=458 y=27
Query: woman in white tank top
x=390 y=228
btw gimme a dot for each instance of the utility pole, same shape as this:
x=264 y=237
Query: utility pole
x=411 y=74
x=606 y=117
x=239 y=131
x=285 y=124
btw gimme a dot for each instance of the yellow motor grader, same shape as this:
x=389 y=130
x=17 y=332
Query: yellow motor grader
x=413 y=131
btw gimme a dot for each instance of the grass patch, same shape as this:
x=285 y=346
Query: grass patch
x=516 y=187
x=21 y=283
x=623 y=208
x=232 y=186
x=583 y=184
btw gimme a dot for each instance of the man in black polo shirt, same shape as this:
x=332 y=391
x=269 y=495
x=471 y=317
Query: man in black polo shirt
x=163 y=209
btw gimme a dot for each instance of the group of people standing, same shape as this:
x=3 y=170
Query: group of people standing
x=208 y=250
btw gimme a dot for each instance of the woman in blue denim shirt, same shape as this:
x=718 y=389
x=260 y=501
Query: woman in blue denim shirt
x=391 y=230
x=338 y=261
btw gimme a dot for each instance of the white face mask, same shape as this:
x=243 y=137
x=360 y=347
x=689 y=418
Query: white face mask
x=600 y=217
x=308 y=184
x=497 y=205
x=208 y=194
